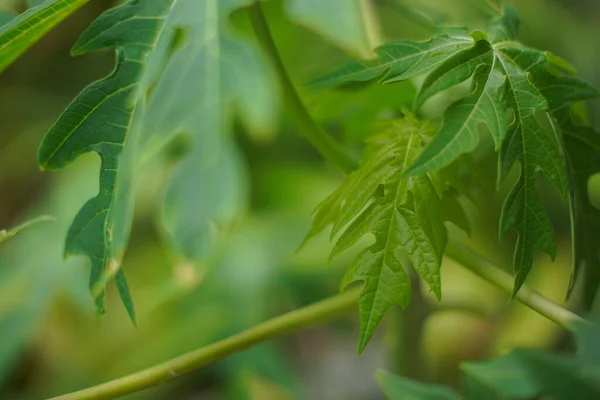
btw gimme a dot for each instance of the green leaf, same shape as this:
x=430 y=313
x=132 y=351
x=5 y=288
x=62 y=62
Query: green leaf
x=505 y=27
x=22 y=32
x=559 y=64
x=509 y=81
x=6 y=234
x=531 y=373
x=192 y=213
x=404 y=214
x=100 y=119
x=520 y=374
x=399 y=388
x=179 y=72
x=504 y=377
x=341 y=21
x=584 y=161
x=209 y=63
x=535 y=148
x=459 y=132
x=455 y=70
x=581 y=145
x=399 y=60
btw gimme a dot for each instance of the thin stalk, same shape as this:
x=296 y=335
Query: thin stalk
x=371 y=25
x=321 y=311
x=485 y=269
x=7 y=234
x=313 y=132
x=413 y=15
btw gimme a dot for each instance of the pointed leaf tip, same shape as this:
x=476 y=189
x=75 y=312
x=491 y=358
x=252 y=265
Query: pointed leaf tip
x=405 y=217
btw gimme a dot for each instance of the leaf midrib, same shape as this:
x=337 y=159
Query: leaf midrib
x=523 y=155
x=525 y=162
x=391 y=226
x=394 y=61
x=83 y=120
x=469 y=118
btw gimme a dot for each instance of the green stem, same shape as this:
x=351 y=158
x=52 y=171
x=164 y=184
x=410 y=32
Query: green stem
x=409 y=357
x=318 y=312
x=7 y=234
x=415 y=16
x=330 y=150
x=503 y=280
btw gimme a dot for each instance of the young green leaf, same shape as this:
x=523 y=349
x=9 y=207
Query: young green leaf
x=399 y=60
x=405 y=215
x=536 y=149
x=459 y=132
x=455 y=70
x=25 y=30
x=508 y=80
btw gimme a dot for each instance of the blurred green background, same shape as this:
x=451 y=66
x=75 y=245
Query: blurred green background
x=52 y=342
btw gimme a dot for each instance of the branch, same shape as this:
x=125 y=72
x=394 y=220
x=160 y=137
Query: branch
x=318 y=312
x=485 y=269
x=313 y=132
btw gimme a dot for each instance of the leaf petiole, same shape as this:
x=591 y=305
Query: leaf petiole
x=10 y=233
x=330 y=150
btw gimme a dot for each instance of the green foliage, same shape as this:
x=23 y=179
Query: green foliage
x=527 y=373
x=584 y=161
x=399 y=388
x=519 y=94
x=21 y=33
x=399 y=60
x=520 y=374
x=179 y=73
x=405 y=215
x=183 y=80
x=100 y=119
x=581 y=145
x=170 y=56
